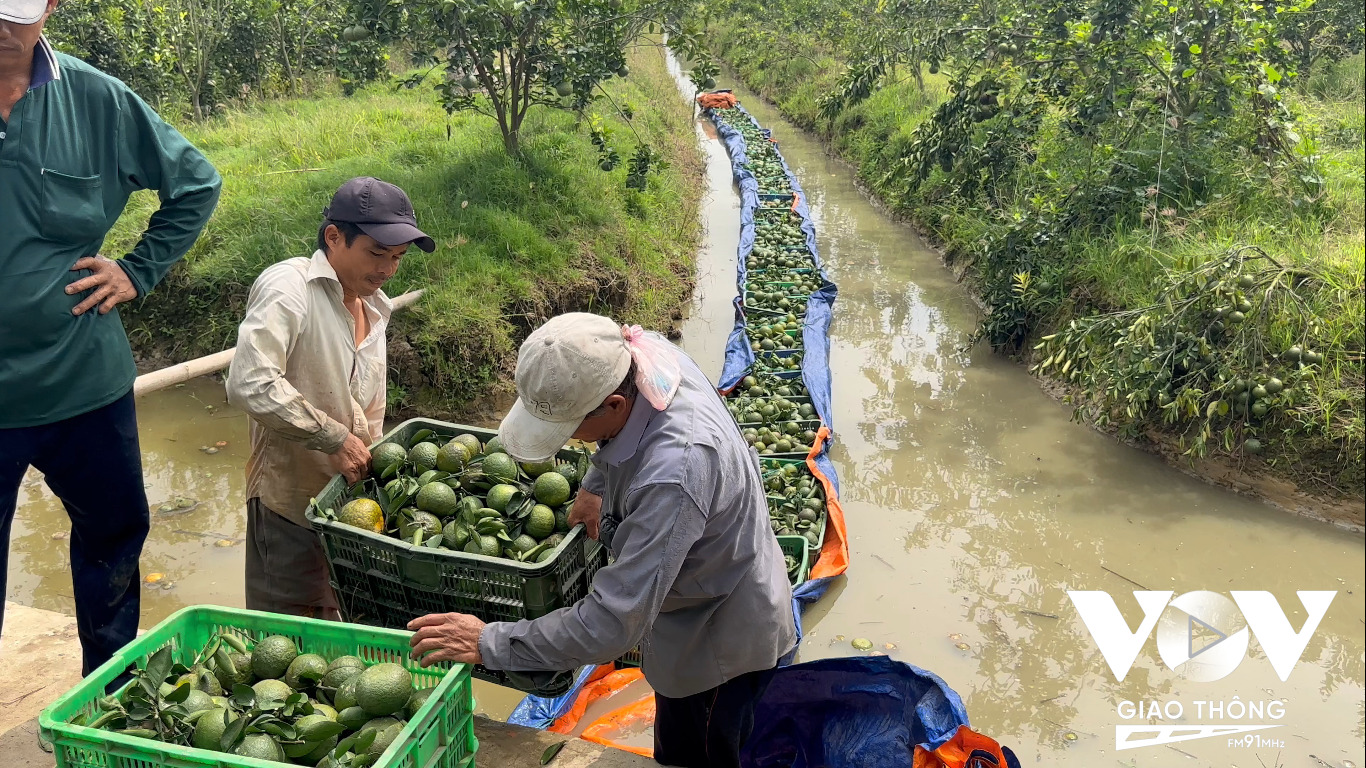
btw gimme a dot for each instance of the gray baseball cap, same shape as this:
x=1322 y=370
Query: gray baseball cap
x=380 y=209
x=23 y=11
x=565 y=369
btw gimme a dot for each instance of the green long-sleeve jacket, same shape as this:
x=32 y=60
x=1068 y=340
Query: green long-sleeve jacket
x=76 y=145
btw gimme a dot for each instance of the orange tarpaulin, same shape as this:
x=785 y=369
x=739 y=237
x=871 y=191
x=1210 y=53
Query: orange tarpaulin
x=632 y=717
x=834 y=556
x=967 y=749
x=605 y=681
x=721 y=100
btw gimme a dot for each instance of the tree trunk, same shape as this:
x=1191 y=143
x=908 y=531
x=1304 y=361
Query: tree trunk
x=510 y=141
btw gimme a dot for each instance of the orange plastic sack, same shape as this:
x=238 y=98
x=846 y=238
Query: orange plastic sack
x=834 y=555
x=605 y=681
x=632 y=717
x=967 y=749
x=717 y=100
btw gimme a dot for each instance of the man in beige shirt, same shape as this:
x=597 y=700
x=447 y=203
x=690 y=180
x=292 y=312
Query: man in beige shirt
x=310 y=372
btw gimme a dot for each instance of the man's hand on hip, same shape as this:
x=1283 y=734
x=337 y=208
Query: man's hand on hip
x=446 y=637
x=587 y=510
x=110 y=284
x=351 y=460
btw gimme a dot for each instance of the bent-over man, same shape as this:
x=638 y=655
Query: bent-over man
x=698 y=580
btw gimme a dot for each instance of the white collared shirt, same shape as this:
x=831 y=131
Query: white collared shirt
x=303 y=380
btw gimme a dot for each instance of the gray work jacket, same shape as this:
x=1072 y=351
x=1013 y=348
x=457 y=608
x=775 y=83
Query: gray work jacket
x=698 y=578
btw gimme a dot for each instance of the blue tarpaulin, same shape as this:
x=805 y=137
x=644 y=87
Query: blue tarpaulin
x=541 y=713
x=739 y=356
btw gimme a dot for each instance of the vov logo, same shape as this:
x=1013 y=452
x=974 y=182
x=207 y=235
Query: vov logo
x=1202 y=636
x=1190 y=620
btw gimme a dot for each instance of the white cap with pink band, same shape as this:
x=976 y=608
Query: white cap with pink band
x=567 y=367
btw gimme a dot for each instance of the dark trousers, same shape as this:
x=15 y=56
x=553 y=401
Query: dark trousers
x=92 y=463
x=707 y=729
x=286 y=567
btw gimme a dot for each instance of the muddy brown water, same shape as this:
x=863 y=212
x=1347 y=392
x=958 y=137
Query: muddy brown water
x=973 y=505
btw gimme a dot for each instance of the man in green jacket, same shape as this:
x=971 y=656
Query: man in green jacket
x=74 y=144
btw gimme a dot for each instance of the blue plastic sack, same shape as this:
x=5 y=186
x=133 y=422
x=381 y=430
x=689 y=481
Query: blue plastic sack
x=541 y=713
x=863 y=712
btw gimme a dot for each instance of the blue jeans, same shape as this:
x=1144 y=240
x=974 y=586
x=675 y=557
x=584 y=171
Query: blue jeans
x=93 y=464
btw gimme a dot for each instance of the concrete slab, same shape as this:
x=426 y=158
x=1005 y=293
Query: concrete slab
x=500 y=746
x=19 y=748
x=512 y=746
x=40 y=659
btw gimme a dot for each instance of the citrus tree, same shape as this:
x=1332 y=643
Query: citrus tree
x=198 y=56
x=1151 y=97
x=502 y=57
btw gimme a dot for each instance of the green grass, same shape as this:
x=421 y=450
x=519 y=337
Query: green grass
x=1322 y=436
x=518 y=240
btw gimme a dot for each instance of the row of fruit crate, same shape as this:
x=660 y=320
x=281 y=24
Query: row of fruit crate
x=771 y=405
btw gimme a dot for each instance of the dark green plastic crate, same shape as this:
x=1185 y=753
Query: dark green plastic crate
x=383 y=581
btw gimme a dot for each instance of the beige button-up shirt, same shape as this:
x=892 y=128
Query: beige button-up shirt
x=304 y=382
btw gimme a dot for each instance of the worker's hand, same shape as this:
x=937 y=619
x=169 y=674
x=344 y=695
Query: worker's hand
x=352 y=460
x=446 y=637
x=110 y=283
x=587 y=510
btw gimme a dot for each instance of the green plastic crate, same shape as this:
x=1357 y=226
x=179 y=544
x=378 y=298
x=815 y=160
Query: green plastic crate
x=765 y=312
x=786 y=373
x=796 y=546
x=737 y=392
x=794 y=270
x=385 y=582
x=767 y=196
x=805 y=424
x=440 y=736
x=812 y=424
x=798 y=399
x=819 y=526
x=425 y=580
x=814 y=549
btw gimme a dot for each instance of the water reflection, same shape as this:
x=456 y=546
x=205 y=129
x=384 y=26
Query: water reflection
x=197 y=550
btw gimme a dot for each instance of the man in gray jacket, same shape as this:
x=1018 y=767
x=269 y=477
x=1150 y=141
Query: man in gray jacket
x=698 y=579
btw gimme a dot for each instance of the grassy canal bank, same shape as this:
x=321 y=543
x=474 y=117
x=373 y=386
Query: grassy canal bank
x=518 y=240
x=1128 y=305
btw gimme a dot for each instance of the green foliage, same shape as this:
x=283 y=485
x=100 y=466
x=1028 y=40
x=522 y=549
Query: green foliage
x=1083 y=161
x=202 y=56
x=703 y=75
x=500 y=58
x=1229 y=353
